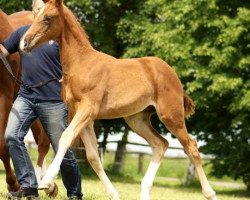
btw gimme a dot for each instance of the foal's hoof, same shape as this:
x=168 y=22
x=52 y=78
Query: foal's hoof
x=43 y=186
x=211 y=195
x=52 y=190
x=212 y=198
x=114 y=196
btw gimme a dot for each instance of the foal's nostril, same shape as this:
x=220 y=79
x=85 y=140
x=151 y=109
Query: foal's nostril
x=25 y=45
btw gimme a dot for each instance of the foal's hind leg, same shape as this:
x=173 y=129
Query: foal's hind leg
x=43 y=144
x=141 y=124
x=89 y=139
x=171 y=113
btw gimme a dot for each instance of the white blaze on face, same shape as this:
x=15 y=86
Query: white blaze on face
x=38 y=7
x=41 y=10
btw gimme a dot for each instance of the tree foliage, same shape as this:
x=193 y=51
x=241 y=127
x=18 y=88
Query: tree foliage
x=12 y=6
x=207 y=42
x=100 y=18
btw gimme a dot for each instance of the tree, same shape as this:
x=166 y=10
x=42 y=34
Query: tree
x=120 y=154
x=100 y=18
x=12 y=6
x=207 y=42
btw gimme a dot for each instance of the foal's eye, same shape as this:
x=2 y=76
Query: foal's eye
x=47 y=19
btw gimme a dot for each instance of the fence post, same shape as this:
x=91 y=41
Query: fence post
x=140 y=162
x=190 y=174
x=120 y=154
x=100 y=152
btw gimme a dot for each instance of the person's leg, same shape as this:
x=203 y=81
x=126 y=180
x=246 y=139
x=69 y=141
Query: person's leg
x=19 y=121
x=53 y=115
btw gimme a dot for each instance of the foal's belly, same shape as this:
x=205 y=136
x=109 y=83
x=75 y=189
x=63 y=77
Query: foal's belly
x=125 y=95
x=123 y=108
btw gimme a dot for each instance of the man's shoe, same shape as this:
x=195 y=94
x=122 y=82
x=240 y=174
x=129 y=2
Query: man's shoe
x=24 y=193
x=74 y=198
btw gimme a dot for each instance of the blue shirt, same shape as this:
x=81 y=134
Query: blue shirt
x=40 y=65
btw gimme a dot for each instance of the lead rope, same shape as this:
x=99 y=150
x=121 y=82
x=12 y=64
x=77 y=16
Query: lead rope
x=9 y=69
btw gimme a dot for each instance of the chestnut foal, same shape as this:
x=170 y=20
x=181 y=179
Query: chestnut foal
x=8 y=91
x=99 y=86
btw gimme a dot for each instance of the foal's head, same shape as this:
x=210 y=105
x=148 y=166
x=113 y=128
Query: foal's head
x=46 y=26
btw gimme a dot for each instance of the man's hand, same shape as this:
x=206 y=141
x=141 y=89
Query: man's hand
x=5 y=52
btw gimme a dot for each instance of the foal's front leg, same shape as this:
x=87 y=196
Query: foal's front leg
x=79 y=121
x=89 y=139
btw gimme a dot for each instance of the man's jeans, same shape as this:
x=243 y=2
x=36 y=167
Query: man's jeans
x=53 y=115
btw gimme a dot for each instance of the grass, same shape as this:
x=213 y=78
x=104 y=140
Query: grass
x=170 y=167
x=128 y=184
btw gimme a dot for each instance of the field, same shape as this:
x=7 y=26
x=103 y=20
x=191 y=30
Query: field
x=167 y=186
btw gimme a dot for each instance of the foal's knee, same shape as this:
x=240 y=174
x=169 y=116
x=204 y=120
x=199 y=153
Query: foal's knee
x=93 y=159
x=192 y=151
x=160 y=147
x=65 y=140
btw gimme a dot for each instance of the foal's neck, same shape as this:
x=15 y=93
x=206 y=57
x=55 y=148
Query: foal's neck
x=74 y=43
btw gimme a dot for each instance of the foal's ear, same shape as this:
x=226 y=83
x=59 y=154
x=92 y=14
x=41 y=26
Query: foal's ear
x=59 y=2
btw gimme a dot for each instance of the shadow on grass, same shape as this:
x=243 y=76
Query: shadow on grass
x=195 y=187
x=235 y=192
x=174 y=183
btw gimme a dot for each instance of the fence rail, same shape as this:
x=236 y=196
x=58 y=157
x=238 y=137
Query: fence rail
x=139 y=144
x=190 y=170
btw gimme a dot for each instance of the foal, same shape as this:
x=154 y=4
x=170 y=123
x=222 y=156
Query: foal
x=99 y=86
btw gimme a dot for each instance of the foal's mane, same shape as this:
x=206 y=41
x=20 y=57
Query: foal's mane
x=77 y=30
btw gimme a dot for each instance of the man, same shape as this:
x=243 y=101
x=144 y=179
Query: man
x=38 y=97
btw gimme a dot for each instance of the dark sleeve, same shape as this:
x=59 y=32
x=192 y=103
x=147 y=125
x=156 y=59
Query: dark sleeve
x=12 y=42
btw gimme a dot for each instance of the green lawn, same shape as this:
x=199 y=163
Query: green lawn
x=128 y=184
x=170 y=167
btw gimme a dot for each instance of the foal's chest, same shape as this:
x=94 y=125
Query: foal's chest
x=72 y=89
x=67 y=94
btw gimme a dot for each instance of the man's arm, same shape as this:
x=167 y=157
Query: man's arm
x=11 y=44
x=4 y=50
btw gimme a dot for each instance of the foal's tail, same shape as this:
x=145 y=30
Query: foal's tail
x=189 y=106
